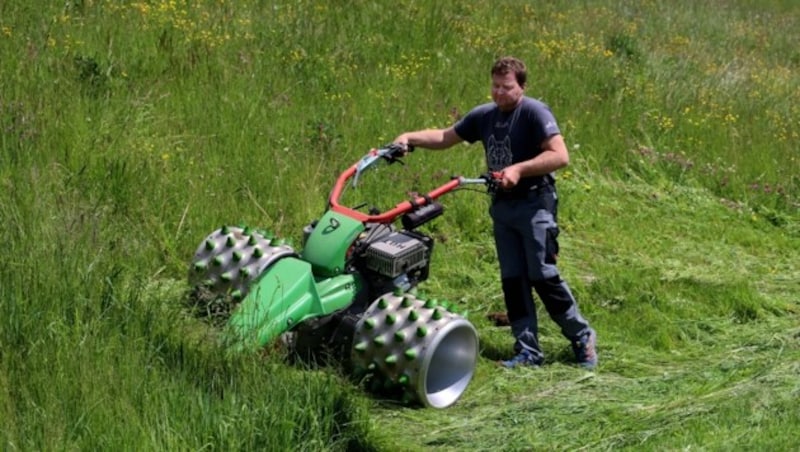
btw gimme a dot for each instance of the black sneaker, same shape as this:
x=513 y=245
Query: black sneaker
x=585 y=350
x=525 y=358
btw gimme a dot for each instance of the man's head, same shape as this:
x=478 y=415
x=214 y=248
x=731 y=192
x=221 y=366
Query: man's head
x=509 y=76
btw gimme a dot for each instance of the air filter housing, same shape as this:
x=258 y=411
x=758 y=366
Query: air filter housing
x=396 y=254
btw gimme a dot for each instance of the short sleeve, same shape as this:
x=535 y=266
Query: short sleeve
x=468 y=128
x=544 y=120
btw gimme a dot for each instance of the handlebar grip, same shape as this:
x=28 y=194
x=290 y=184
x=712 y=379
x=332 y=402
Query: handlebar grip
x=403 y=149
x=492 y=176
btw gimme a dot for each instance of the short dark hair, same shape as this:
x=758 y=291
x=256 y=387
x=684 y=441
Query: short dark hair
x=508 y=64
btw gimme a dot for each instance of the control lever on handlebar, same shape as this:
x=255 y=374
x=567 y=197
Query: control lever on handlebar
x=492 y=179
x=396 y=151
x=392 y=153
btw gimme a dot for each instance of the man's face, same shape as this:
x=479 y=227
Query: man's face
x=506 y=92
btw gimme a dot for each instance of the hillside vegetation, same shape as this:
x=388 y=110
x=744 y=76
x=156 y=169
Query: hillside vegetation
x=131 y=130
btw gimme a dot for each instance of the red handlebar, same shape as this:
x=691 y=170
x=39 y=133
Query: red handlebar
x=391 y=215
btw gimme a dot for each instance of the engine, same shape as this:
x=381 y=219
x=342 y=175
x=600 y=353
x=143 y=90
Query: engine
x=396 y=259
x=397 y=254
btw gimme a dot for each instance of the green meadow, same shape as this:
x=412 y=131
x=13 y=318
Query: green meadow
x=129 y=130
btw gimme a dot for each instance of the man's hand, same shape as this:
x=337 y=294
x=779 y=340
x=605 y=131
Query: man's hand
x=401 y=141
x=429 y=138
x=510 y=177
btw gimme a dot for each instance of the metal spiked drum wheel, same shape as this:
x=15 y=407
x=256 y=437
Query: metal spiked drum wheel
x=231 y=258
x=418 y=346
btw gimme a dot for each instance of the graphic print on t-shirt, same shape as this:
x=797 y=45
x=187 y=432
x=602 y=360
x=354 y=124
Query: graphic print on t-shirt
x=498 y=153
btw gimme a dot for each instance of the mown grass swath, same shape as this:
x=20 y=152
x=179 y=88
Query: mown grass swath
x=129 y=131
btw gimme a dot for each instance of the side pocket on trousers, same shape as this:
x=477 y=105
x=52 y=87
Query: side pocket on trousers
x=551 y=250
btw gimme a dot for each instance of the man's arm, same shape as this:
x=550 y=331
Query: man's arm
x=554 y=156
x=430 y=138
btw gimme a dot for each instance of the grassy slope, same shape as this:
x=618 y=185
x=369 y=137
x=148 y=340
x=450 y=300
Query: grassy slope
x=129 y=132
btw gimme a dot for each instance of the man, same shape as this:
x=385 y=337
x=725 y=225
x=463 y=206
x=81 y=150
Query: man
x=523 y=142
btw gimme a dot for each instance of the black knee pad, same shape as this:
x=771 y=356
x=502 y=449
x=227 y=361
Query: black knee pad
x=518 y=298
x=554 y=295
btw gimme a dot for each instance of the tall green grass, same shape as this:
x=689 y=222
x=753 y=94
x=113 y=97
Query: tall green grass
x=129 y=131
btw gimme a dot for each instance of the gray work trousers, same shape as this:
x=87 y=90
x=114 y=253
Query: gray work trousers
x=525 y=233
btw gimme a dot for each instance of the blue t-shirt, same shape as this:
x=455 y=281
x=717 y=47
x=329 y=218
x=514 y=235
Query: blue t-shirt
x=510 y=137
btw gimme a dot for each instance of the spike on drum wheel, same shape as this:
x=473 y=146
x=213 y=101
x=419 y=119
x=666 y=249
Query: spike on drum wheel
x=431 y=352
